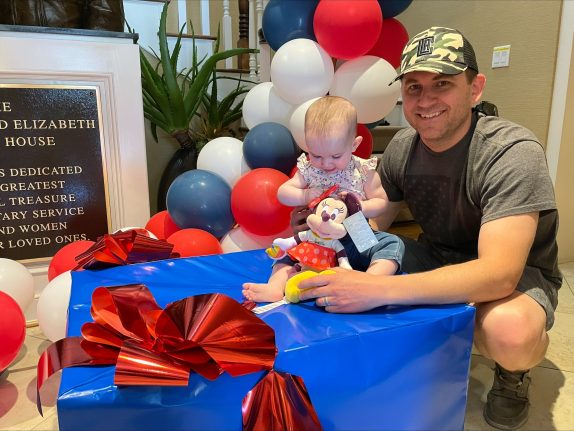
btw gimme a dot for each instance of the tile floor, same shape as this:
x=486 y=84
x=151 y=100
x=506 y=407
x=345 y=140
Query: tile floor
x=552 y=390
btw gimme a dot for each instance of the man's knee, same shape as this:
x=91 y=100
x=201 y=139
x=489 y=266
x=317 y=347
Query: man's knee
x=508 y=328
x=515 y=323
x=511 y=328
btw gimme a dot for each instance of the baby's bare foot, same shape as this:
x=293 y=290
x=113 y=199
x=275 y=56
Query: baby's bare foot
x=262 y=292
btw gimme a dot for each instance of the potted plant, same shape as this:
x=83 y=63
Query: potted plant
x=219 y=117
x=172 y=99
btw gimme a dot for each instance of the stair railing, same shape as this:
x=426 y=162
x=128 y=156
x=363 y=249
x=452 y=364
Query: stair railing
x=250 y=20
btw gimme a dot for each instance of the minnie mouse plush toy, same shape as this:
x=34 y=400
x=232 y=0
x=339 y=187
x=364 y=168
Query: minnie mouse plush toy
x=317 y=248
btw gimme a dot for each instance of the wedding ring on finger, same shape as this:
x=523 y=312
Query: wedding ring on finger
x=325 y=301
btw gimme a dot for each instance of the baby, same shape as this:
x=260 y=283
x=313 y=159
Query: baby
x=330 y=134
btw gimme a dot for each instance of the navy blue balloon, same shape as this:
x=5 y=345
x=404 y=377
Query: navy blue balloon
x=202 y=200
x=270 y=145
x=392 y=8
x=285 y=20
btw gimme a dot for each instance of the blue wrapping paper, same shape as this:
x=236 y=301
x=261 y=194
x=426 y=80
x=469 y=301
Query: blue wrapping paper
x=391 y=368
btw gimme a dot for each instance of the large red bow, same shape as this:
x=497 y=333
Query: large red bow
x=209 y=334
x=124 y=248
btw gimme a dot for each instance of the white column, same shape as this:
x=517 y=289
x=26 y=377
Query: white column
x=227 y=38
x=264 y=63
x=112 y=64
x=558 y=106
x=259 y=24
x=253 y=40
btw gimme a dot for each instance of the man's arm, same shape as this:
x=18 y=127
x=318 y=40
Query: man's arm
x=503 y=248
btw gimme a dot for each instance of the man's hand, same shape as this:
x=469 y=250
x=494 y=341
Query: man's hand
x=346 y=291
x=299 y=219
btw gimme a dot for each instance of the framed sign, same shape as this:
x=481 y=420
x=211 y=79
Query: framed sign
x=53 y=186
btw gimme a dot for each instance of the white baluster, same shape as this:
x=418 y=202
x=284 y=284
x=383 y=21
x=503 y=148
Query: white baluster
x=253 y=41
x=258 y=24
x=227 y=37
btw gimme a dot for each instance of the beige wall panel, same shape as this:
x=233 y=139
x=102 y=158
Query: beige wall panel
x=194 y=15
x=522 y=91
x=172 y=21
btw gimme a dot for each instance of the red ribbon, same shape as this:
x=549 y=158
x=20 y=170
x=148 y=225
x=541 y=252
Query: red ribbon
x=279 y=402
x=331 y=190
x=124 y=248
x=209 y=334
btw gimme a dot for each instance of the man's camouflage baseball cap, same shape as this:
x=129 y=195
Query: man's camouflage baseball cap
x=438 y=50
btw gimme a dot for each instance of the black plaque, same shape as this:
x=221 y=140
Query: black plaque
x=53 y=187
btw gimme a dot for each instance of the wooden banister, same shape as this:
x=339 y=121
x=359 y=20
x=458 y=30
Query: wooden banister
x=243 y=42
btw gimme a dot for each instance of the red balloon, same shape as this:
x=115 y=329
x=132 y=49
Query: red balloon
x=392 y=41
x=162 y=225
x=194 y=242
x=365 y=148
x=65 y=258
x=12 y=330
x=254 y=202
x=347 y=28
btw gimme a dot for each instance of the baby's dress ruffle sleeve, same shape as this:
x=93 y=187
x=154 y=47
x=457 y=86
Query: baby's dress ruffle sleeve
x=303 y=165
x=365 y=165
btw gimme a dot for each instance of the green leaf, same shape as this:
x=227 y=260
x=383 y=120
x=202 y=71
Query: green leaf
x=176 y=49
x=169 y=74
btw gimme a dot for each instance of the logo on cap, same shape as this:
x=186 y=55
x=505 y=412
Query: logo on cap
x=425 y=46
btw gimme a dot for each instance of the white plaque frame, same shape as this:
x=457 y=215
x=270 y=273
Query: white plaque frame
x=111 y=63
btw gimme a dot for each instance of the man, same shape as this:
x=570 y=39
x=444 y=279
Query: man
x=480 y=190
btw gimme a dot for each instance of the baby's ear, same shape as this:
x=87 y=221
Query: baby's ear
x=357 y=142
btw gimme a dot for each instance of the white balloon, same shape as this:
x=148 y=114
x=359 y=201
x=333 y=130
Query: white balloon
x=52 y=308
x=140 y=230
x=238 y=239
x=364 y=81
x=301 y=70
x=16 y=281
x=224 y=157
x=263 y=104
x=297 y=123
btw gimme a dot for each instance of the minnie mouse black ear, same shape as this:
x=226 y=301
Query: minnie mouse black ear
x=353 y=203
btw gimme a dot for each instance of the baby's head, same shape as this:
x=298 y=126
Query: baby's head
x=330 y=133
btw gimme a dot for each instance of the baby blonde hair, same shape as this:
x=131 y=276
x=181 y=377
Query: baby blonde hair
x=331 y=115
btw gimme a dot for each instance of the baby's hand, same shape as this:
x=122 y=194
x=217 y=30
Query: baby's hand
x=312 y=193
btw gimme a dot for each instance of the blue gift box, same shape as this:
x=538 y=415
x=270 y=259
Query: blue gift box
x=391 y=368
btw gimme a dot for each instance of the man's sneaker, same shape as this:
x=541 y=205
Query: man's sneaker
x=507 y=402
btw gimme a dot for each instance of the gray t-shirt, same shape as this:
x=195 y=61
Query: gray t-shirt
x=497 y=170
